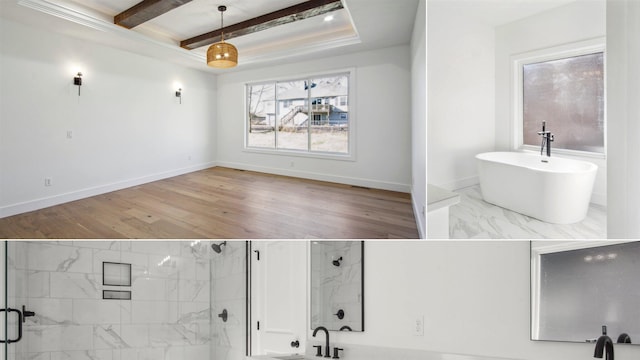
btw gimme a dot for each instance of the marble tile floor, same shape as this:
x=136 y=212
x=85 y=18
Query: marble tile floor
x=473 y=218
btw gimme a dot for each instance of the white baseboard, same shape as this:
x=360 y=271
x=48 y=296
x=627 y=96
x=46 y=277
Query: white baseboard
x=375 y=184
x=599 y=199
x=420 y=217
x=460 y=183
x=42 y=203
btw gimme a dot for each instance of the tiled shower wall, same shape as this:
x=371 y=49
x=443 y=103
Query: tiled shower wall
x=167 y=318
x=228 y=291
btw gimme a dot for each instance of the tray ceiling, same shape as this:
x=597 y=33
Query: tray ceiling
x=360 y=25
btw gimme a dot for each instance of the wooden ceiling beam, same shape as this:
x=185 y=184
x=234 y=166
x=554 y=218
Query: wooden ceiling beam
x=145 y=11
x=293 y=13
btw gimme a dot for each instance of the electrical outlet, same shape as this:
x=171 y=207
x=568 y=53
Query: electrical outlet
x=69 y=134
x=419 y=326
x=47 y=182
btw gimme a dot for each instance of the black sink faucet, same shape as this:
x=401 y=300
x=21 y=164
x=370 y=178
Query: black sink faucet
x=624 y=339
x=326 y=348
x=604 y=345
x=547 y=138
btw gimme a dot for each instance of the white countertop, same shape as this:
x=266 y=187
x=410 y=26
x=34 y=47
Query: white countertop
x=278 y=356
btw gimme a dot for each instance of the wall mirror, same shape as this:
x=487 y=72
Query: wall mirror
x=337 y=285
x=579 y=287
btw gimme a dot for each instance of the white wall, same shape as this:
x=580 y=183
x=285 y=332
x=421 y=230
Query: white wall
x=474 y=297
x=460 y=107
x=127 y=125
x=419 y=117
x=623 y=92
x=382 y=115
x=577 y=21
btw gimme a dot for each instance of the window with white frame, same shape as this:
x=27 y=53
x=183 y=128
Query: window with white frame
x=304 y=115
x=567 y=91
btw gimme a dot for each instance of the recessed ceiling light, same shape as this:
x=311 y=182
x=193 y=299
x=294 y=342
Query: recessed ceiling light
x=328 y=18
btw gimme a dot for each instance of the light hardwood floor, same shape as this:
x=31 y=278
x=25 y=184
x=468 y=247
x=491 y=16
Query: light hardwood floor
x=225 y=203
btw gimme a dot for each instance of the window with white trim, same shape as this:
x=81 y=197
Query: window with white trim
x=567 y=91
x=300 y=115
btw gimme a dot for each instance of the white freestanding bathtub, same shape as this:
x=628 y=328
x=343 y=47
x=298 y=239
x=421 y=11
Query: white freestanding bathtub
x=550 y=189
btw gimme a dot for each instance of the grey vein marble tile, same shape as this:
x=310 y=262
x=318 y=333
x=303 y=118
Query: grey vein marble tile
x=194 y=312
x=108 y=337
x=58 y=258
x=50 y=312
x=81 y=355
x=473 y=218
x=43 y=338
x=76 y=286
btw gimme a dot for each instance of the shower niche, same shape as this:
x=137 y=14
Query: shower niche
x=337 y=285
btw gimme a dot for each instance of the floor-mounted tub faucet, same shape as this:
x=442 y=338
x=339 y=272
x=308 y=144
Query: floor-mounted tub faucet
x=547 y=138
x=604 y=345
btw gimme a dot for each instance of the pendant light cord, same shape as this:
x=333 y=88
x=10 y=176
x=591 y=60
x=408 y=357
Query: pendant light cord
x=222 y=10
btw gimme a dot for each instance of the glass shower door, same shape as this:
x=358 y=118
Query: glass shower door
x=13 y=306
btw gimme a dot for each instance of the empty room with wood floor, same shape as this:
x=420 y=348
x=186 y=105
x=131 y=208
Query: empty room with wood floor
x=213 y=119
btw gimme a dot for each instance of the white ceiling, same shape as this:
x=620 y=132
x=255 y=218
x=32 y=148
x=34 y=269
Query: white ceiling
x=361 y=25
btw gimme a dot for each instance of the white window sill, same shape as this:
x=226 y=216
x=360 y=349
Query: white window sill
x=564 y=152
x=304 y=154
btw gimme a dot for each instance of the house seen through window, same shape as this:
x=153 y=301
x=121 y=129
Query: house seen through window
x=309 y=115
x=567 y=93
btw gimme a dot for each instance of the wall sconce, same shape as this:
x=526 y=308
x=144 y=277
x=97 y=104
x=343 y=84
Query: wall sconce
x=78 y=81
x=179 y=94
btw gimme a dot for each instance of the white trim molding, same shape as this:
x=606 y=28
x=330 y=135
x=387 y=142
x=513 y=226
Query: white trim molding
x=352 y=117
x=420 y=216
x=374 y=184
x=95 y=22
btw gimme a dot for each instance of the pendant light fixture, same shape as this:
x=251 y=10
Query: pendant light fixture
x=222 y=54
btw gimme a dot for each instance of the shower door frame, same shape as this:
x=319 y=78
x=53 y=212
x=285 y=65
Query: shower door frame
x=5 y=305
x=5 y=334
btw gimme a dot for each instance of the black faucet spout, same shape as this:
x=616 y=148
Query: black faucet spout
x=604 y=347
x=326 y=348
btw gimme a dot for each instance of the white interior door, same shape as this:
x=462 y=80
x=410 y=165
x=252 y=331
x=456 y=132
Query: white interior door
x=279 y=300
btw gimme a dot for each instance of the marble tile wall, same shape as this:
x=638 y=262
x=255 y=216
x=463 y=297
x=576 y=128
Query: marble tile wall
x=337 y=287
x=228 y=291
x=167 y=318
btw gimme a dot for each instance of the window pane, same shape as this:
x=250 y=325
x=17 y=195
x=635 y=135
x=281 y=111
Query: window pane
x=262 y=114
x=293 y=115
x=330 y=114
x=569 y=95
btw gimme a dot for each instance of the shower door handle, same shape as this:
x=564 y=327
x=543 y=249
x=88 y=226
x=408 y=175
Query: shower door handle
x=20 y=319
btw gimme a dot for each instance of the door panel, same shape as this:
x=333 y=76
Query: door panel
x=280 y=297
